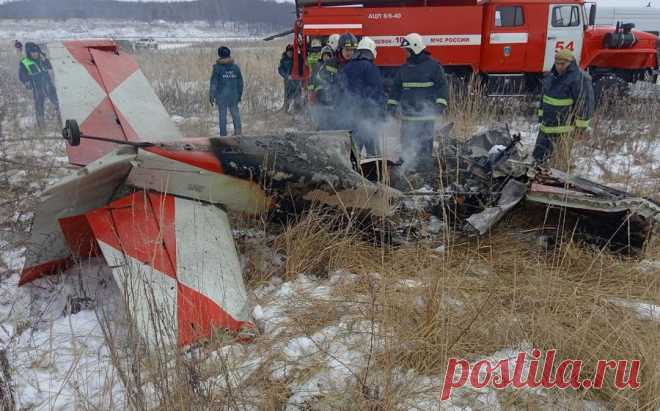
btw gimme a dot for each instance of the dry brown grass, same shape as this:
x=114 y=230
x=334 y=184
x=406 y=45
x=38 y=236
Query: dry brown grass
x=485 y=295
x=181 y=77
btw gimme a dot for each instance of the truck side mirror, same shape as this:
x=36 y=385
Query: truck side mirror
x=592 y=15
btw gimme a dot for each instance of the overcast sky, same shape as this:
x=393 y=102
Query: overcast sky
x=619 y=3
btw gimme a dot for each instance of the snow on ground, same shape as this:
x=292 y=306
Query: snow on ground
x=53 y=337
x=644 y=310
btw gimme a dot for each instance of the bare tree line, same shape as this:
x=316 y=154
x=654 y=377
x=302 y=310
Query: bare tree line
x=250 y=11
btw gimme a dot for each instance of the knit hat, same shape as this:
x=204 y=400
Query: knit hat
x=30 y=47
x=224 y=52
x=565 y=54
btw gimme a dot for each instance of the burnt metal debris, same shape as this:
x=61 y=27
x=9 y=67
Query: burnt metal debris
x=487 y=176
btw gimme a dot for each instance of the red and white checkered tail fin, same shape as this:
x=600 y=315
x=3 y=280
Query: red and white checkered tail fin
x=176 y=264
x=104 y=90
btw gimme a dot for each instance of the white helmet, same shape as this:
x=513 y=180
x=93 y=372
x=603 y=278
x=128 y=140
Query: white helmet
x=367 y=44
x=333 y=41
x=413 y=42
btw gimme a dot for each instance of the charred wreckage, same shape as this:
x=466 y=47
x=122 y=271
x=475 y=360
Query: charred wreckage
x=154 y=204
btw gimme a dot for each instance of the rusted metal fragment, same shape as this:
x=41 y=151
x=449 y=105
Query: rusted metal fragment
x=378 y=202
x=542 y=188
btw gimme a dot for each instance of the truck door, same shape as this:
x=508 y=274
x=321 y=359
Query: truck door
x=565 y=31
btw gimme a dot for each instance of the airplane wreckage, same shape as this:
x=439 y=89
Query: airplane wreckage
x=154 y=204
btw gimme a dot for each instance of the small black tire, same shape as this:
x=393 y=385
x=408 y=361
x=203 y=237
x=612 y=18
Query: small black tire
x=71 y=132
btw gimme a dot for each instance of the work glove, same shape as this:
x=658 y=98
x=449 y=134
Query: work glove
x=212 y=101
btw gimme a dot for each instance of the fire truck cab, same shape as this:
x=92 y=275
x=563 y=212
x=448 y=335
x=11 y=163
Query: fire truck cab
x=508 y=43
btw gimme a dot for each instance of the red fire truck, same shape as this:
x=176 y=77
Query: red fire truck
x=508 y=43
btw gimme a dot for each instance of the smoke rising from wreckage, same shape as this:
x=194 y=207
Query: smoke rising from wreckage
x=149 y=203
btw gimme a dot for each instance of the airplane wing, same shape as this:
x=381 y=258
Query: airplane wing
x=104 y=90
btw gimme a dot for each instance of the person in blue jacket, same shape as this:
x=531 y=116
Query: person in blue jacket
x=226 y=90
x=363 y=96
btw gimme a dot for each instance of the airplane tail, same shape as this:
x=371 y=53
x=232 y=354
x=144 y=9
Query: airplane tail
x=104 y=90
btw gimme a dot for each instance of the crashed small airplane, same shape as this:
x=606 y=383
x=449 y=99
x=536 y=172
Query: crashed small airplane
x=154 y=204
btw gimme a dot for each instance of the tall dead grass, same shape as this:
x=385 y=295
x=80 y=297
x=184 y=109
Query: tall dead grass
x=181 y=78
x=484 y=295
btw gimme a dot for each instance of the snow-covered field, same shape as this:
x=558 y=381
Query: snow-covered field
x=165 y=33
x=372 y=331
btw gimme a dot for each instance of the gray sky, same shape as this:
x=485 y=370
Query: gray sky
x=608 y=3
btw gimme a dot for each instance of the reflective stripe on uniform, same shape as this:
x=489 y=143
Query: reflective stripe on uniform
x=331 y=69
x=580 y=123
x=418 y=85
x=558 y=102
x=555 y=129
x=440 y=100
x=419 y=118
x=393 y=102
x=27 y=63
x=540 y=112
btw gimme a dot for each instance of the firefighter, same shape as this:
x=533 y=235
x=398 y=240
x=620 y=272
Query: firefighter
x=314 y=55
x=567 y=104
x=345 y=47
x=33 y=72
x=313 y=62
x=333 y=41
x=420 y=91
x=291 y=86
x=330 y=115
x=364 y=95
x=226 y=90
x=324 y=88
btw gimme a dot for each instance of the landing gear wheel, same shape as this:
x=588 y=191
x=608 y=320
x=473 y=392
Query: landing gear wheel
x=71 y=132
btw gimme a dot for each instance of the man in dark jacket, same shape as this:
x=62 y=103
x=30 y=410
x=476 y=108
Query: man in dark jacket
x=19 y=47
x=567 y=104
x=291 y=87
x=33 y=71
x=421 y=92
x=227 y=90
x=364 y=96
x=337 y=114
